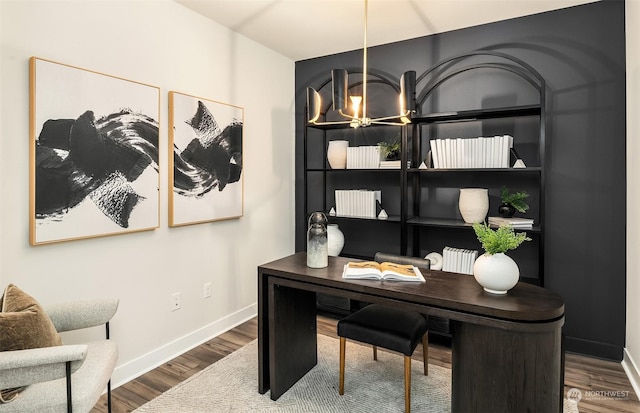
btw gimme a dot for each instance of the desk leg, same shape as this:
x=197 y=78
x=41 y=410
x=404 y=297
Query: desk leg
x=263 y=334
x=293 y=340
x=495 y=370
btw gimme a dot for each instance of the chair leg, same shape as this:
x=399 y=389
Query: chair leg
x=343 y=343
x=69 y=398
x=375 y=353
x=425 y=353
x=407 y=384
x=109 y=396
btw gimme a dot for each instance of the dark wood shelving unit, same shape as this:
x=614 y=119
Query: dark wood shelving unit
x=421 y=222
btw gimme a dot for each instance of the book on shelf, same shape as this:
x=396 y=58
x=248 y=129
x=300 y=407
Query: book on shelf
x=480 y=152
x=385 y=271
x=515 y=222
x=390 y=164
x=458 y=260
x=358 y=202
x=363 y=157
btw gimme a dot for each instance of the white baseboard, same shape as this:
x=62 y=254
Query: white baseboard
x=135 y=368
x=631 y=368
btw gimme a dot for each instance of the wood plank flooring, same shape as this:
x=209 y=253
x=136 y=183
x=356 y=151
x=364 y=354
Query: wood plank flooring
x=592 y=376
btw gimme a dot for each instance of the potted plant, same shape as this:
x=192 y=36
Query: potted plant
x=390 y=150
x=512 y=202
x=495 y=271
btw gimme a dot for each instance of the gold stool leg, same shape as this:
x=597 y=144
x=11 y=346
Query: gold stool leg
x=343 y=342
x=407 y=384
x=425 y=353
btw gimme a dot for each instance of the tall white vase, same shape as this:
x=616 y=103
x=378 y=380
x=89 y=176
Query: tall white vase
x=473 y=204
x=335 y=239
x=496 y=273
x=337 y=154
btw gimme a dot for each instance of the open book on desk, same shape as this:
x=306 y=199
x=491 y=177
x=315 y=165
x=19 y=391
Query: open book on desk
x=389 y=271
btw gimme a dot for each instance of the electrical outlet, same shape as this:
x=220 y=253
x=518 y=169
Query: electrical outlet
x=175 y=302
x=206 y=292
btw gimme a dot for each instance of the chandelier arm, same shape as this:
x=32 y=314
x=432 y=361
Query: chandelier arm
x=336 y=122
x=346 y=115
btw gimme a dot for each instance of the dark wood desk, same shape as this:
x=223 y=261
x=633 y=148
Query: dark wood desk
x=506 y=350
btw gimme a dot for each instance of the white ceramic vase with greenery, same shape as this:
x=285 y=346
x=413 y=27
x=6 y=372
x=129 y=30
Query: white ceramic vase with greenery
x=495 y=271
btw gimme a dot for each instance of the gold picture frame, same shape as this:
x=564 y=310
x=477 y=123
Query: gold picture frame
x=93 y=154
x=206 y=180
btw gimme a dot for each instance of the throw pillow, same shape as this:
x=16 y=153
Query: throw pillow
x=23 y=325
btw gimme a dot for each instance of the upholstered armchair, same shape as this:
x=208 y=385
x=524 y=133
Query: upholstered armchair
x=60 y=378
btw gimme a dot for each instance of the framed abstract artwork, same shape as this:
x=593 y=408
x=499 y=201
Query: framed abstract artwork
x=93 y=154
x=205 y=160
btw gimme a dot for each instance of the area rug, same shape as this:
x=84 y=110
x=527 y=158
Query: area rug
x=231 y=385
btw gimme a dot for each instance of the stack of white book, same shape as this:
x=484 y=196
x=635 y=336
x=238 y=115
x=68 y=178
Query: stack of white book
x=458 y=260
x=357 y=202
x=480 y=152
x=515 y=222
x=390 y=164
x=363 y=157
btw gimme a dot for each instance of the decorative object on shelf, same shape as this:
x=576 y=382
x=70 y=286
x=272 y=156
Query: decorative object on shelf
x=473 y=204
x=390 y=150
x=206 y=162
x=435 y=259
x=317 y=243
x=383 y=214
x=358 y=118
x=335 y=239
x=337 y=154
x=512 y=202
x=94 y=146
x=495 y=271
x=332 y=212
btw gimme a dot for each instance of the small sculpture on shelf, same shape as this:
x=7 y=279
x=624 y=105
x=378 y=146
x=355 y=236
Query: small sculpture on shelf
x=512 y=202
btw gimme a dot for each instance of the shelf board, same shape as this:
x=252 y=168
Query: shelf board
x=353 y=170
x=478 y=114
x=532 y=169
x=392 y=218
x=455 y=223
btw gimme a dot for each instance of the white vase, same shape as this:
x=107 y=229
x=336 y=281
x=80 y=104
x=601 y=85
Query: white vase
x=473 y=204
x=335 y=239
x=496 y=273
x=337 y=154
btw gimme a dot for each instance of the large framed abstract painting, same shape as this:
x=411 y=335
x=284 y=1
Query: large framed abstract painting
x=205 y=160
x=93 y=154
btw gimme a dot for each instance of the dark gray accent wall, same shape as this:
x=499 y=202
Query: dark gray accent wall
x=580 y=51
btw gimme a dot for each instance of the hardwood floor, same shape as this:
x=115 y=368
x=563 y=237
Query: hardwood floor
x=592 y=376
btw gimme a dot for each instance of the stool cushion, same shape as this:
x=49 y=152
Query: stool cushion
x=386 y=327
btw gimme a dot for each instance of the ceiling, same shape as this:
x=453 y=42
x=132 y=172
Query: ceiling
x=303 y=29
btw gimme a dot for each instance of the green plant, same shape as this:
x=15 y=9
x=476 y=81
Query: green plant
x=516 y=200
x=500 y=240
x=390 y=149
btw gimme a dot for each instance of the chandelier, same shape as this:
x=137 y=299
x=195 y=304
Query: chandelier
x=358 y=116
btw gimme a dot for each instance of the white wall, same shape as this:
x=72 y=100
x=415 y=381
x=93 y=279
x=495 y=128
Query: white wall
x=160 y=43
x=632 y=351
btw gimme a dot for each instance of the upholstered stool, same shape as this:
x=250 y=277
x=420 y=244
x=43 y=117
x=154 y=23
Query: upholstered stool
x=390 y=328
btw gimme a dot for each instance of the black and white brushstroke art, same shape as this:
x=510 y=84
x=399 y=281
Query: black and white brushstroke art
x=206 y=177
x=94 y=154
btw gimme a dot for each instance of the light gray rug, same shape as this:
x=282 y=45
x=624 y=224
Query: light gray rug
x=231 y=385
